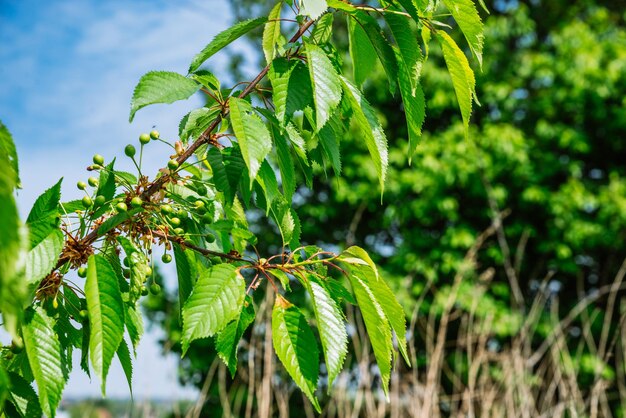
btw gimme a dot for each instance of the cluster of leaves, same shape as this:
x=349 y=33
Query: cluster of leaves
x=232 y=155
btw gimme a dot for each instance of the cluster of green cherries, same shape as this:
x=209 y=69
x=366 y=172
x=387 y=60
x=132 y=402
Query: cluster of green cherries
x=98 y=161
x=173 y=216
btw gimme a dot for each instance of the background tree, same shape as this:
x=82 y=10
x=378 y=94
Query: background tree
x=538 y=195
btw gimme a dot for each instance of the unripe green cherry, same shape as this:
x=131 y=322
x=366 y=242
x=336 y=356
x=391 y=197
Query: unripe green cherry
x=121 y=207
x=207 y=218
x=130 y=150
x=98 y=159
x=154 y=134
x=126 y=262
x=175 y=221
x=93 y=182
x=81 y=185
x=166 y=209
x=179 y=231
x=181 y=213
x=172 y=164
x=155 y=289
x=100 y=200
x=148 y=271
x=136 y=202
x=87 y=202
x=126 y=273
x=17 y=345
x=82 y=272
x=210 y=238
x=167 y=258
x=201 y=190
x=144 y=290
x=144 y=138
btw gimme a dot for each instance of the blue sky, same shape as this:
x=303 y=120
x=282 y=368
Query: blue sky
x=67 y=75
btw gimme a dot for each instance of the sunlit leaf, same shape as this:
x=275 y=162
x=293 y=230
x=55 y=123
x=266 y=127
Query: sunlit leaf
x=106 y=315
x=161 y=87
x=296 y=347
x=216 y=300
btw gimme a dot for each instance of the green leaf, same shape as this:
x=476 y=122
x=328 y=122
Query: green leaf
x=134 y=326
x=224 y=38
x=291 y=87
x=362 y=53
x=269 y=184
x=313 y=8
x=43 y=257
x=71 y=206
x=393 y=310
x=410 y=55
x=329 y=140
x=411 y=9
x=186 y=270
x=370 y=128
x=323 y=29
x=287 y=221
x=216 y=300
x=252 y=134
x=207 y=79
x=44 y=356
x=468 y=19
x=227 y=341
x=296 y=347
x=339 y=292
x=220 y=175
x=235 y=170
x=461 y=74
x=326 y=84
x=161 y=87
x=44 y=215
x=23 y=398
x=106 y=183
x=381 y=45
x=282 y=278
x=116 y=220
x=106 y=315
x=341 y=5
x=376 y=323
x=424 y=5
x=367 y=283
x=84 y=354
x=414 y=109
x=13 y=241
x=285 y=164
x=193 y=124
x=5 y=385
x=358 y=256
x=331 y=327
x=123 y=354
x=9 y=153
x=271 y=32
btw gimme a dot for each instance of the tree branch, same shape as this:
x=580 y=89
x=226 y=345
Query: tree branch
x=203 y=139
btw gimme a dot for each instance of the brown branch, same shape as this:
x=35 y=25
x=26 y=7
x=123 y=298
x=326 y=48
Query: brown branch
x=206 y=252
